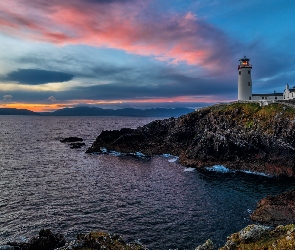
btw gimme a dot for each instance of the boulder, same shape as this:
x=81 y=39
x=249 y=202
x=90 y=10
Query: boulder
x=71 y=139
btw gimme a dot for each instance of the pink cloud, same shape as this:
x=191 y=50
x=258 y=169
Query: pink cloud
x=120 y=25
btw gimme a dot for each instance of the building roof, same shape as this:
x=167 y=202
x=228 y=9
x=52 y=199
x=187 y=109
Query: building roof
x=272 y=94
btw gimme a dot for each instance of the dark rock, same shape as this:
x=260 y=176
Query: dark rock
x=45 y=241
x=276 y=210
x=77 y=144
x=238 y=136
x=71 y=139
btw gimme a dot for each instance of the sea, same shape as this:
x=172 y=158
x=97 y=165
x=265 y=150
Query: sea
x=46 y=184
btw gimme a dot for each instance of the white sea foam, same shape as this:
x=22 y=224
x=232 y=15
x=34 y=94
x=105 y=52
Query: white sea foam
x=223 y=169
x=139 y=154
x=218 y=168
x=115 y=153
x=189 y=169
x=103 y=150
x=174 y=159
x=255 y=173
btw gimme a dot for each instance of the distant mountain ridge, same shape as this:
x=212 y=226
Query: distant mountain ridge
x=93 y=111
x=13 y=111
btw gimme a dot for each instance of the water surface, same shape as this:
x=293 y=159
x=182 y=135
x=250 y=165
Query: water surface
x=45 y=184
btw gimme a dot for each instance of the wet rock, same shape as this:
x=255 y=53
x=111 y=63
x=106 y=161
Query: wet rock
x=276 y=210
x=208 y=245
x=45 y=241
x=71 y=139
x=238 y=136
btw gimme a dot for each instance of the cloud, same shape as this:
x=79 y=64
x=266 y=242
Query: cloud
x=52 y=99
x=37 y=76
x=7 y=97
x=173 y=37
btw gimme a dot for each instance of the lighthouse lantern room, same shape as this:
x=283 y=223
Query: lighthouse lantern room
x=244 y=80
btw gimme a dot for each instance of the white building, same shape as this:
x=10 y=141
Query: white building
x=245 y=86
x=289 y=94
x=244 y=80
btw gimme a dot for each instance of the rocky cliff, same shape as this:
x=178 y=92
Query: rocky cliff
x=241 y=136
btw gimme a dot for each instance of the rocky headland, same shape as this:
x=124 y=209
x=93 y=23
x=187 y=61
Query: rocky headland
x=240 y=136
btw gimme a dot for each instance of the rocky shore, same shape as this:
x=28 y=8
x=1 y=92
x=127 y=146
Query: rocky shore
x=47 y=240
x=277 y=212
x=240 y=136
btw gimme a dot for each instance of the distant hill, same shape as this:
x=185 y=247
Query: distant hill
x=12 y=111
x=91 y=111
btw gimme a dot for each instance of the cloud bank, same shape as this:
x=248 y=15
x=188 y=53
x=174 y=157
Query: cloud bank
x=37 y=76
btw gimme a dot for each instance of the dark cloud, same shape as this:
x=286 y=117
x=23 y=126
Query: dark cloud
x=37 y=76
x=179 y=86
x=107 y=71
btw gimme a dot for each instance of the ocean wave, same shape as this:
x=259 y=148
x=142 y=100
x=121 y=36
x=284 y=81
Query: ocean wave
x=171 y=158
x=254 y=173
x=116 y=153
x=189 y=169
x=223 y=169
x=219 y=169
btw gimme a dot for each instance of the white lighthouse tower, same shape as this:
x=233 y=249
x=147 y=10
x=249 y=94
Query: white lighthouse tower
x=244 y=80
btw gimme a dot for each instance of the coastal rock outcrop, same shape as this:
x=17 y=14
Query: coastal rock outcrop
x=45 y=241
x=260 y=237
x=276 y=210
x=90 y=241
x=240 y=136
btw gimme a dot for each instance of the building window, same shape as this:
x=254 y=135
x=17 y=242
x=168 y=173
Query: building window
x=262 y=97
x=249 y=97
x=266 y=97
x=249 y=83
x=240 y=72
x=249 y=72
x=276 y=98
x=284 y=96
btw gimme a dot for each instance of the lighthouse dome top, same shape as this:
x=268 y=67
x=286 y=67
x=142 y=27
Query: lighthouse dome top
x=244 y=63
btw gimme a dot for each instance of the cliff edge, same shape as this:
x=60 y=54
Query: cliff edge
x=240 y=136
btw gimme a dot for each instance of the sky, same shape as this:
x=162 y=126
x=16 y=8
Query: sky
x=141 y=53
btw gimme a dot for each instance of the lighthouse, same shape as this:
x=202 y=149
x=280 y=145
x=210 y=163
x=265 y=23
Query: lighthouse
x=244 y=80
